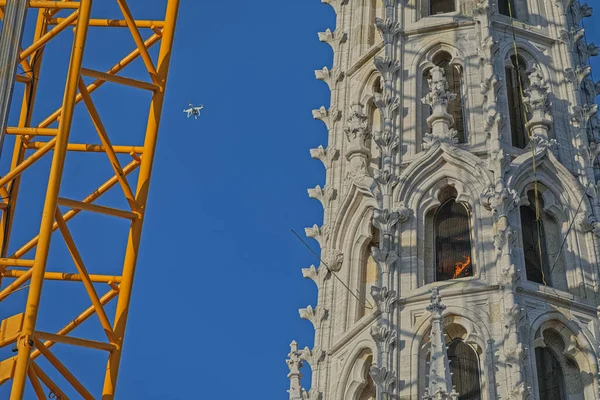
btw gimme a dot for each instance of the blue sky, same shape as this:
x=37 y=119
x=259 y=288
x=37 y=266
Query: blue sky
x=219 y=277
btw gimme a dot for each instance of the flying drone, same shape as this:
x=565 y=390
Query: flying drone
x=195 y=111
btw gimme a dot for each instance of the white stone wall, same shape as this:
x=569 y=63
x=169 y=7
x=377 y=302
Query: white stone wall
x=501 y=315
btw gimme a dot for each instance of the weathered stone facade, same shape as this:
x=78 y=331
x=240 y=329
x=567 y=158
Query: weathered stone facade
x=424 y=113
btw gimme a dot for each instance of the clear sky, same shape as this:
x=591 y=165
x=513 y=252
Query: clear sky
x=219 y=277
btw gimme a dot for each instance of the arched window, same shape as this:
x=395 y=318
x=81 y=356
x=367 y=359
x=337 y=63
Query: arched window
x=368 y=278
x=452 y=239
x=454 y=78
x=441 y=6
x=551 y=381
x=541 y=244
x=464 y=365
x=516 y=83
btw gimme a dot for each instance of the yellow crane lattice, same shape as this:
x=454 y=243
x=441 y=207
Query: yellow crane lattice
x=28 y=268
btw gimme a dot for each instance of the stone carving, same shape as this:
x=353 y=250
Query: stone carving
x=438 y=96
x=537 y=94
x=450 y=138
x=327 y=156
x=294 y=363
x=388 y=29
x=587 y=223
x=387 y=104
x=591 y=89
x=384 y=220
x=333 y=259
x=329 y=117
x=330 y=77
x=357 y=170
x=385 y=298
x=384 y=379
x=384 y=334
x=440 y=380
x=541 y=145
x=313 y=274
x=578 y=74
x=572 y=36
x=582 y=114
x=312 y=357
x=579 y=11
x=384 y=258
x=500 y=202
x=387 y=67
x=319 y=233
x=357 y=131
x=334 y=39
x=324 y=195
x=387 y=142
x=404 y=212
x=315 y=316
x=586 y=51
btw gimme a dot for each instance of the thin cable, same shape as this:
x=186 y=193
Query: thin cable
x=370 y=306
x=538 y=221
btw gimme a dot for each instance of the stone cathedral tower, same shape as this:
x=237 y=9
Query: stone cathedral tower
x=461 y=205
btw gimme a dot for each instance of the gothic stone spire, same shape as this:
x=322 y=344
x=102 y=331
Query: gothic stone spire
x=440 y=380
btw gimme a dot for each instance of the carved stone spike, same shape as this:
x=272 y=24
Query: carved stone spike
x=315 y=316
x=384 y=379
x=578 y=74
x=385 y=298
x=294 y=363
x=312 y=357
x=334 y=39
x=319 y=233
x=329 y=117
x=324 y=195
x=388 y=29
x=331 y=77
x=313 y=274
x=326 y=156
x=500 y=202
x=387 y=67
x=387 y=104
x=384 y=220
x=384 y=334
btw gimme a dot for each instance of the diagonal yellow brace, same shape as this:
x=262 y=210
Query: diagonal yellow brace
x=112 y=157
x=91 y=344
x=49 y=35
x=28 y=162
x=81 y=318
x=48 y=382
x=137 y=38
x=119 y=80
x=151 y=41
x=89 y=286
x=35 y=382
x=132 y=166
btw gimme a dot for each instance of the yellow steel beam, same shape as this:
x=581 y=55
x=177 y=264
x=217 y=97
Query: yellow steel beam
x=79 y=205
x=58 y=162
x=85 y=147
x=118 y=79
x=63 y=276
x=54 y=389
x=133 y=242
x=35 y=382
x=29 y=267
x=91 y=344
x=114 y=23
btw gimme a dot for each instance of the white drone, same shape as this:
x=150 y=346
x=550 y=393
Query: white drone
x=195 y=111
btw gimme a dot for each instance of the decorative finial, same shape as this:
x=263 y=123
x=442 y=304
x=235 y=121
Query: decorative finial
x=438 y=98
x=294 y=363
x=440 y=379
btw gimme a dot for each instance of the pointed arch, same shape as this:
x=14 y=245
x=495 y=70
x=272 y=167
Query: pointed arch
x=420 y=189
x=562 y=195
x=355 y=379
x=571 y=344
x=461 y=324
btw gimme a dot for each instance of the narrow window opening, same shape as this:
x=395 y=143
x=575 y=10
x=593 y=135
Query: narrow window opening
x=503 y=6
x=464 y=365
x=551 y=382
x=452 y=239
x=368 y=278
x=515 y=73
x=441 y=7
x=534 y=242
